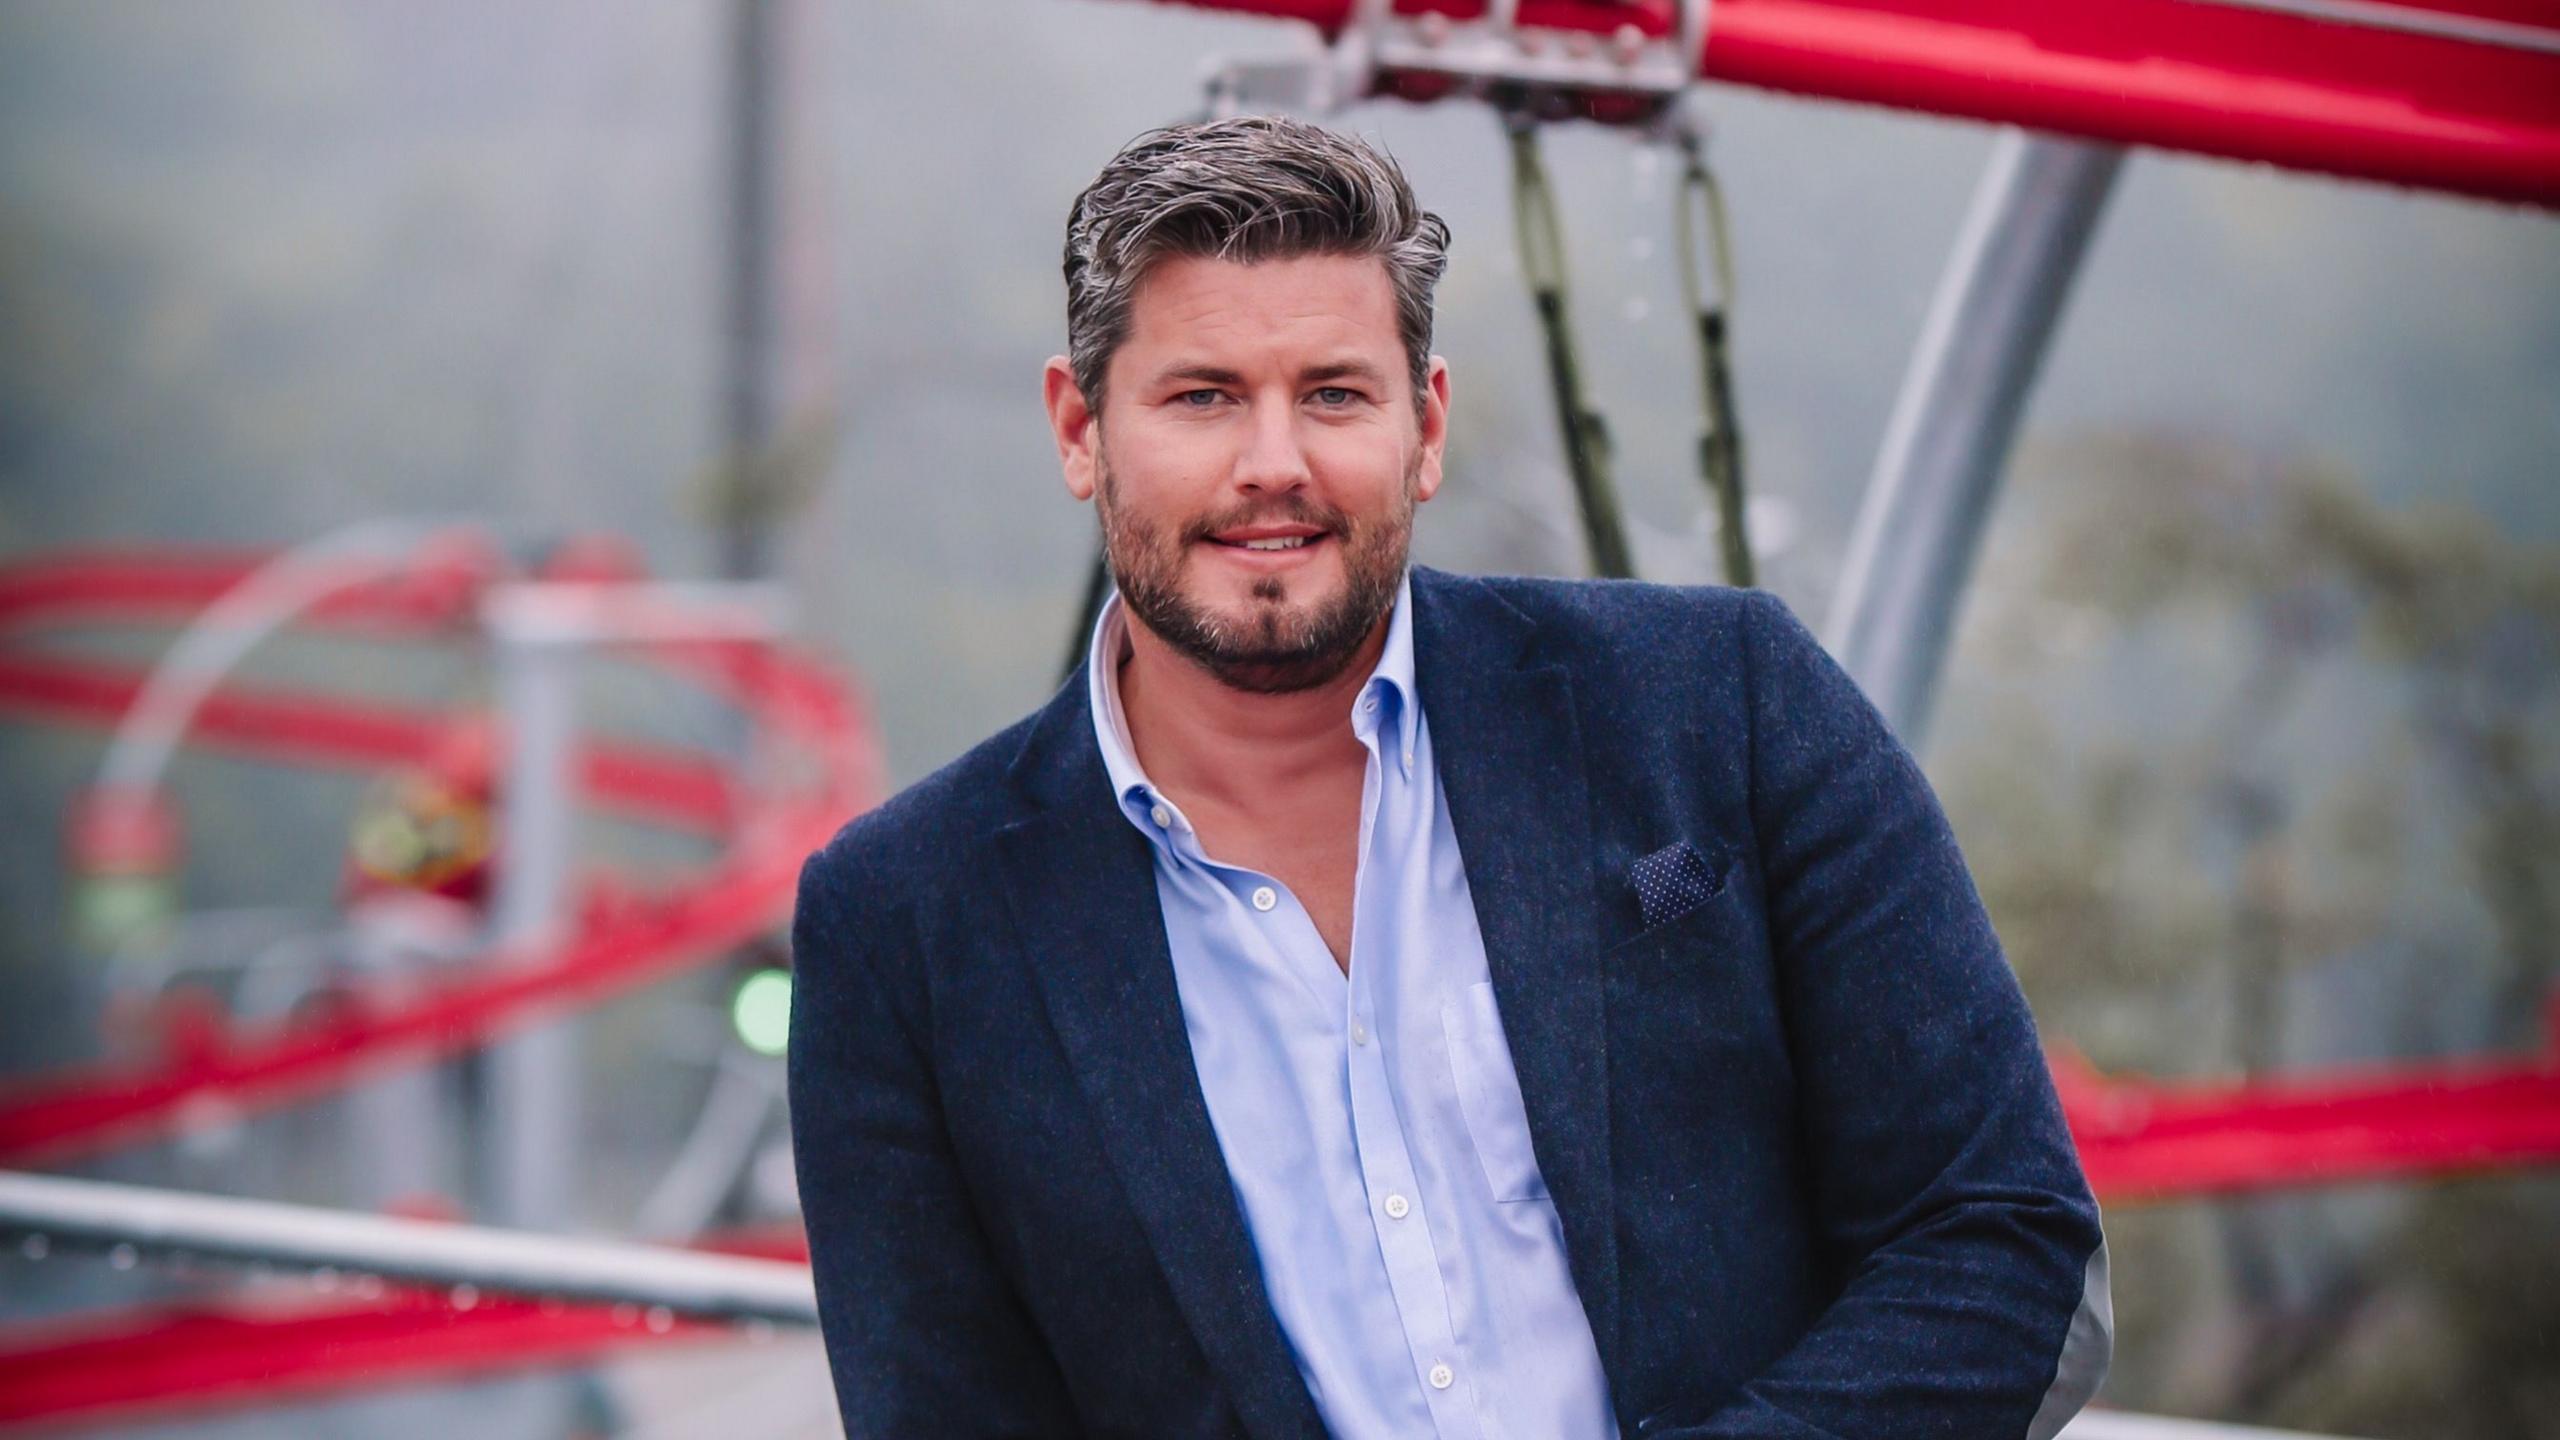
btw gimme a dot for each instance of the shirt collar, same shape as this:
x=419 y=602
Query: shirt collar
x=1391 y=684
x=1110 y=723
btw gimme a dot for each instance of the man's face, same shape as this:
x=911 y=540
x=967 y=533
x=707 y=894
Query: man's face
x=1259 y=463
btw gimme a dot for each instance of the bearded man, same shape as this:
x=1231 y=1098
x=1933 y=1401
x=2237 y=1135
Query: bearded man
x=1373 y=1002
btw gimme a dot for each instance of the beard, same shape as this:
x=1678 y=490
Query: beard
x=1276 y=647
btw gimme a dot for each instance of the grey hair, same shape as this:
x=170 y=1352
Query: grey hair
x=1249 y=189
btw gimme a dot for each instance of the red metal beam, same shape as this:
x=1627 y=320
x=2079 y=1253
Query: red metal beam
x=290 y=1343
x=139 y=586
x=620 y=947
x=641 y=782
x=385 y=1026
x=173 y=1361
x=2144 y=1141
x=2217 y=77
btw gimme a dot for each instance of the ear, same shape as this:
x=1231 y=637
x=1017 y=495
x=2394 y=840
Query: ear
x=1434 y=415
x=1073 y=423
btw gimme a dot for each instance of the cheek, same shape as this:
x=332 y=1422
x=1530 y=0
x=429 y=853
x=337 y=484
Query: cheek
x=1374 y=452
x=1154 y=510
x=1370 y=483
x=1169 y=465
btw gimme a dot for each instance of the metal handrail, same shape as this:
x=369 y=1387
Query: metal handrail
x=39 y=1213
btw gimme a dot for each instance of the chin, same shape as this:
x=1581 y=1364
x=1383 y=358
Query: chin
x=1247 y=598
x=1252 y=617
x=1285 y=628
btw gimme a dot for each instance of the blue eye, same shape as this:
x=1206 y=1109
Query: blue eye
x=1336 y=395
x=1193 y=395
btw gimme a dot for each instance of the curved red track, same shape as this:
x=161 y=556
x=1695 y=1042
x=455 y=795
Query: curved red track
x=622 y=939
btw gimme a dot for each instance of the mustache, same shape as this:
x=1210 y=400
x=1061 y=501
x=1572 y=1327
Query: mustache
x=1284 y=510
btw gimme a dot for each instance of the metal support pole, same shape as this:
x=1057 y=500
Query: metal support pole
x=401 y=1125
x=747 y=402
x=531 y=1101
x=41 y=1214
x=540 y=632
x=529 y=1132
x=1948 y=441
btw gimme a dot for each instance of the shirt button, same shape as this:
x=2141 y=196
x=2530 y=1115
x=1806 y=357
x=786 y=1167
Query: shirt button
x=1397 y=1208
x=1162 y=816
x=1371 y=703
x=1359 y=1033
x=1442 y=1377
x=1264 y=897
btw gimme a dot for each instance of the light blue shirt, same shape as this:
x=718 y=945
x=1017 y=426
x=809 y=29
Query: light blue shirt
x=1372 y=1123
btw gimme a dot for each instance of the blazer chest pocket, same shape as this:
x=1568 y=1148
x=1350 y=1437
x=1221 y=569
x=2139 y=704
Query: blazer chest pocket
x=1489 y=1094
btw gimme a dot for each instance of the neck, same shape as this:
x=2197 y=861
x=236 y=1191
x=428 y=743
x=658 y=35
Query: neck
x=1196 y=735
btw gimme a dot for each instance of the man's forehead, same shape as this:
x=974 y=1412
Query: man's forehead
x=1303 y=295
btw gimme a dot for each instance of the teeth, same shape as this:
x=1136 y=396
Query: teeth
x=1286 y=542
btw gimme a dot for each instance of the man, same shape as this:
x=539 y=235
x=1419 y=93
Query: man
x=1391 y=1004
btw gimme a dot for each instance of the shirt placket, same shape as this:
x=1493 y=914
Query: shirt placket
x=1386 y=1161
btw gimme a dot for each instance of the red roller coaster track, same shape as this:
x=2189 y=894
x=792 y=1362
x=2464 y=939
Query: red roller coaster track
x=622 y=940
x=2454 y=95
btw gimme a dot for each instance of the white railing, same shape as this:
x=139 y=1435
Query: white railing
x=46 y=1213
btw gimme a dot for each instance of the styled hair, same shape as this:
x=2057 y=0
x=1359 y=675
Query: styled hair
x=1249 y=189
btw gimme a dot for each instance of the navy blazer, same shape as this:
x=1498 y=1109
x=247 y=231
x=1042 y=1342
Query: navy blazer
x=1812 y=1175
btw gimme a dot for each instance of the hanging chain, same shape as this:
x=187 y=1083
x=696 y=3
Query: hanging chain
x=1720 y=432
x=1586 y=436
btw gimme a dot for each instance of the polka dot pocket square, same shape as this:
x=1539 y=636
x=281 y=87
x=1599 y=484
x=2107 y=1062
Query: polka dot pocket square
x=1673 y=881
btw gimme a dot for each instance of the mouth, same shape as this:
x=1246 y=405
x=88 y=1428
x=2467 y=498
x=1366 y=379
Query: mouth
x=1275 y=542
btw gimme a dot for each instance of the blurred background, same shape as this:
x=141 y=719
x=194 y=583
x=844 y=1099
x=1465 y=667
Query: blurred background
x=2247 y=727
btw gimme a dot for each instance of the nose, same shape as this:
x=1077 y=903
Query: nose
x=1272 y=459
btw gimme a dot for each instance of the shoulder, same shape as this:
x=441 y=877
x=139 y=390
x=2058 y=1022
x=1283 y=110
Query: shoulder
x=1635 y=628
x=1621 y=608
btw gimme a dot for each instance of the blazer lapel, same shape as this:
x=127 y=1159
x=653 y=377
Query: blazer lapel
x=1082 y=894
x=1509 y=753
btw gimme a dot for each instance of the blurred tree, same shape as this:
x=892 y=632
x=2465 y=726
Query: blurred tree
x=2254 y=772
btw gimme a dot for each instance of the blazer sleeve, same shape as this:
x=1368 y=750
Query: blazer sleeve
x=923 y=1334
x=1946 y=1190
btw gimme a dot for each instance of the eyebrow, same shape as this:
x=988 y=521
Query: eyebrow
x=1312 y=375
x=1344 y=370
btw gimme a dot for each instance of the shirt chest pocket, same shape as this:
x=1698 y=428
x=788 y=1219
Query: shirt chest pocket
x=1489 y=1094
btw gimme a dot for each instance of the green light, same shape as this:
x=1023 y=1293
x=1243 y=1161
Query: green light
x=762 y=1011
